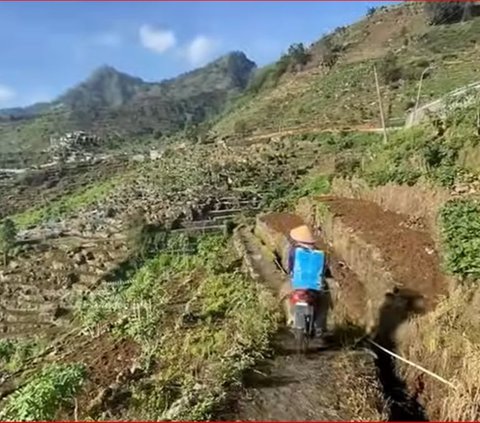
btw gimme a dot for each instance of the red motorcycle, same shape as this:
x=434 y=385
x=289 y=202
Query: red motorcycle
x=303 y=303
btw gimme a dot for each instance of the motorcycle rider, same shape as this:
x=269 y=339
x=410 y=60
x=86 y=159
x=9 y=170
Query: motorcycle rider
x=302 y=238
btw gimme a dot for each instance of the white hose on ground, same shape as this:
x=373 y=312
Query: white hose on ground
x=411 y=363
x=423 y=369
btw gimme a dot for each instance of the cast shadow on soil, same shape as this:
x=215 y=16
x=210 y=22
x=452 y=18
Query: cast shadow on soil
x=396 y=309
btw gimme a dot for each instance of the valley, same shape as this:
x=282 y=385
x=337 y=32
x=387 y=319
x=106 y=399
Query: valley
x=144 y=275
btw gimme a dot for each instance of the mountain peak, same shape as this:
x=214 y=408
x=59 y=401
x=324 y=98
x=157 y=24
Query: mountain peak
x=107 y=86
x=235 y=58
x=110 y=97
x=107 y=71
x=230 y=71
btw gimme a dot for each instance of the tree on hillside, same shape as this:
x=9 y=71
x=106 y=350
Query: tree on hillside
x=439 y=13
x=240 y=128
x=371 y=11
x=298 y=54
x=327 y=51
x=8 y=235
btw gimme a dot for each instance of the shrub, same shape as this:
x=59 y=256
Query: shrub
x=15 y=353
x=298 y=55
x=8 y=234
x=398 y=175
x=439 y=13
x=445 y=175
x=328 y=51
x=41 y=397
x=371 y=11
x=460 y=223
x=240 y=127
x=346 y=167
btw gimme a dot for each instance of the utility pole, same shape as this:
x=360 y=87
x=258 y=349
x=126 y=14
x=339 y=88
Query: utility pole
x=418 y=92
x=380 y=105
x=467 y=11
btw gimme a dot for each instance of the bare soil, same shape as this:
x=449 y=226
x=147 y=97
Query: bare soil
x=326 y=385
x=109 y=364
x=408 y=253
x=283 y=222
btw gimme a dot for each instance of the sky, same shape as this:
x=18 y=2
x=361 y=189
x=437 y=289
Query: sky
x=48 y=47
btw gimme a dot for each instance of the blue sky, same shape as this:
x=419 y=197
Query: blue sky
x=49 y=47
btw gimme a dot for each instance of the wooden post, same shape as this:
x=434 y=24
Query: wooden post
x=418 y=93
x=467 y=11
x=380 y=105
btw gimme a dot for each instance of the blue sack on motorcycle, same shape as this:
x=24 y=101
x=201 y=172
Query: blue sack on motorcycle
x=308 y=269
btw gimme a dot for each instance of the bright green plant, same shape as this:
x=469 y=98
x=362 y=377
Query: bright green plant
x=460 y=222
x=44 y=394
x=15 y=353
x=8 y=234
x=203 y=321
x=65 y=205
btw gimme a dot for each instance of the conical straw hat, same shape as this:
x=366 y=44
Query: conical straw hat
x=302 y=234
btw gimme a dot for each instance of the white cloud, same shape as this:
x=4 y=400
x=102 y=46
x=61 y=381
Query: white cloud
x=200 y=50
x=6 y=94
x=108 y=39
x=157 y=40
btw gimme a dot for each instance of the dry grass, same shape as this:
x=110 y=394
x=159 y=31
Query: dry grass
x=361 y=392
x=446 y=341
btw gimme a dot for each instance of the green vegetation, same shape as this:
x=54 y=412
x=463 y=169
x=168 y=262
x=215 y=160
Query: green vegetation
x=65 y=205
x=446 y=12
x=298 y=54
x=441 y=151
x=8 y=234
x=14 y=354
x=371 y=11
x=143 y=238
x=285 y=196
x=269 y=76
x=460 y=222
x=346 y=94
x=40 y=398
x=198 y=317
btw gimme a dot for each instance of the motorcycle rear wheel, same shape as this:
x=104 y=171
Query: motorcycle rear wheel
x=303 y=336
x=301 y=341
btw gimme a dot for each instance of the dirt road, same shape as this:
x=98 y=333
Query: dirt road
x=316 y=130
x=325 y=385
x=330 y=383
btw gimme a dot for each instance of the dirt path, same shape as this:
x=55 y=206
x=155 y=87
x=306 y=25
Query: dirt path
x=323 y=386
x=327 y=384
x=318 y=130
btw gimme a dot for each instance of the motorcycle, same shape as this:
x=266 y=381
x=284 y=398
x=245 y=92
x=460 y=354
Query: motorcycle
x=303 y=302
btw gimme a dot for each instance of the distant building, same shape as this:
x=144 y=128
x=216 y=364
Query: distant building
x=74 y=146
